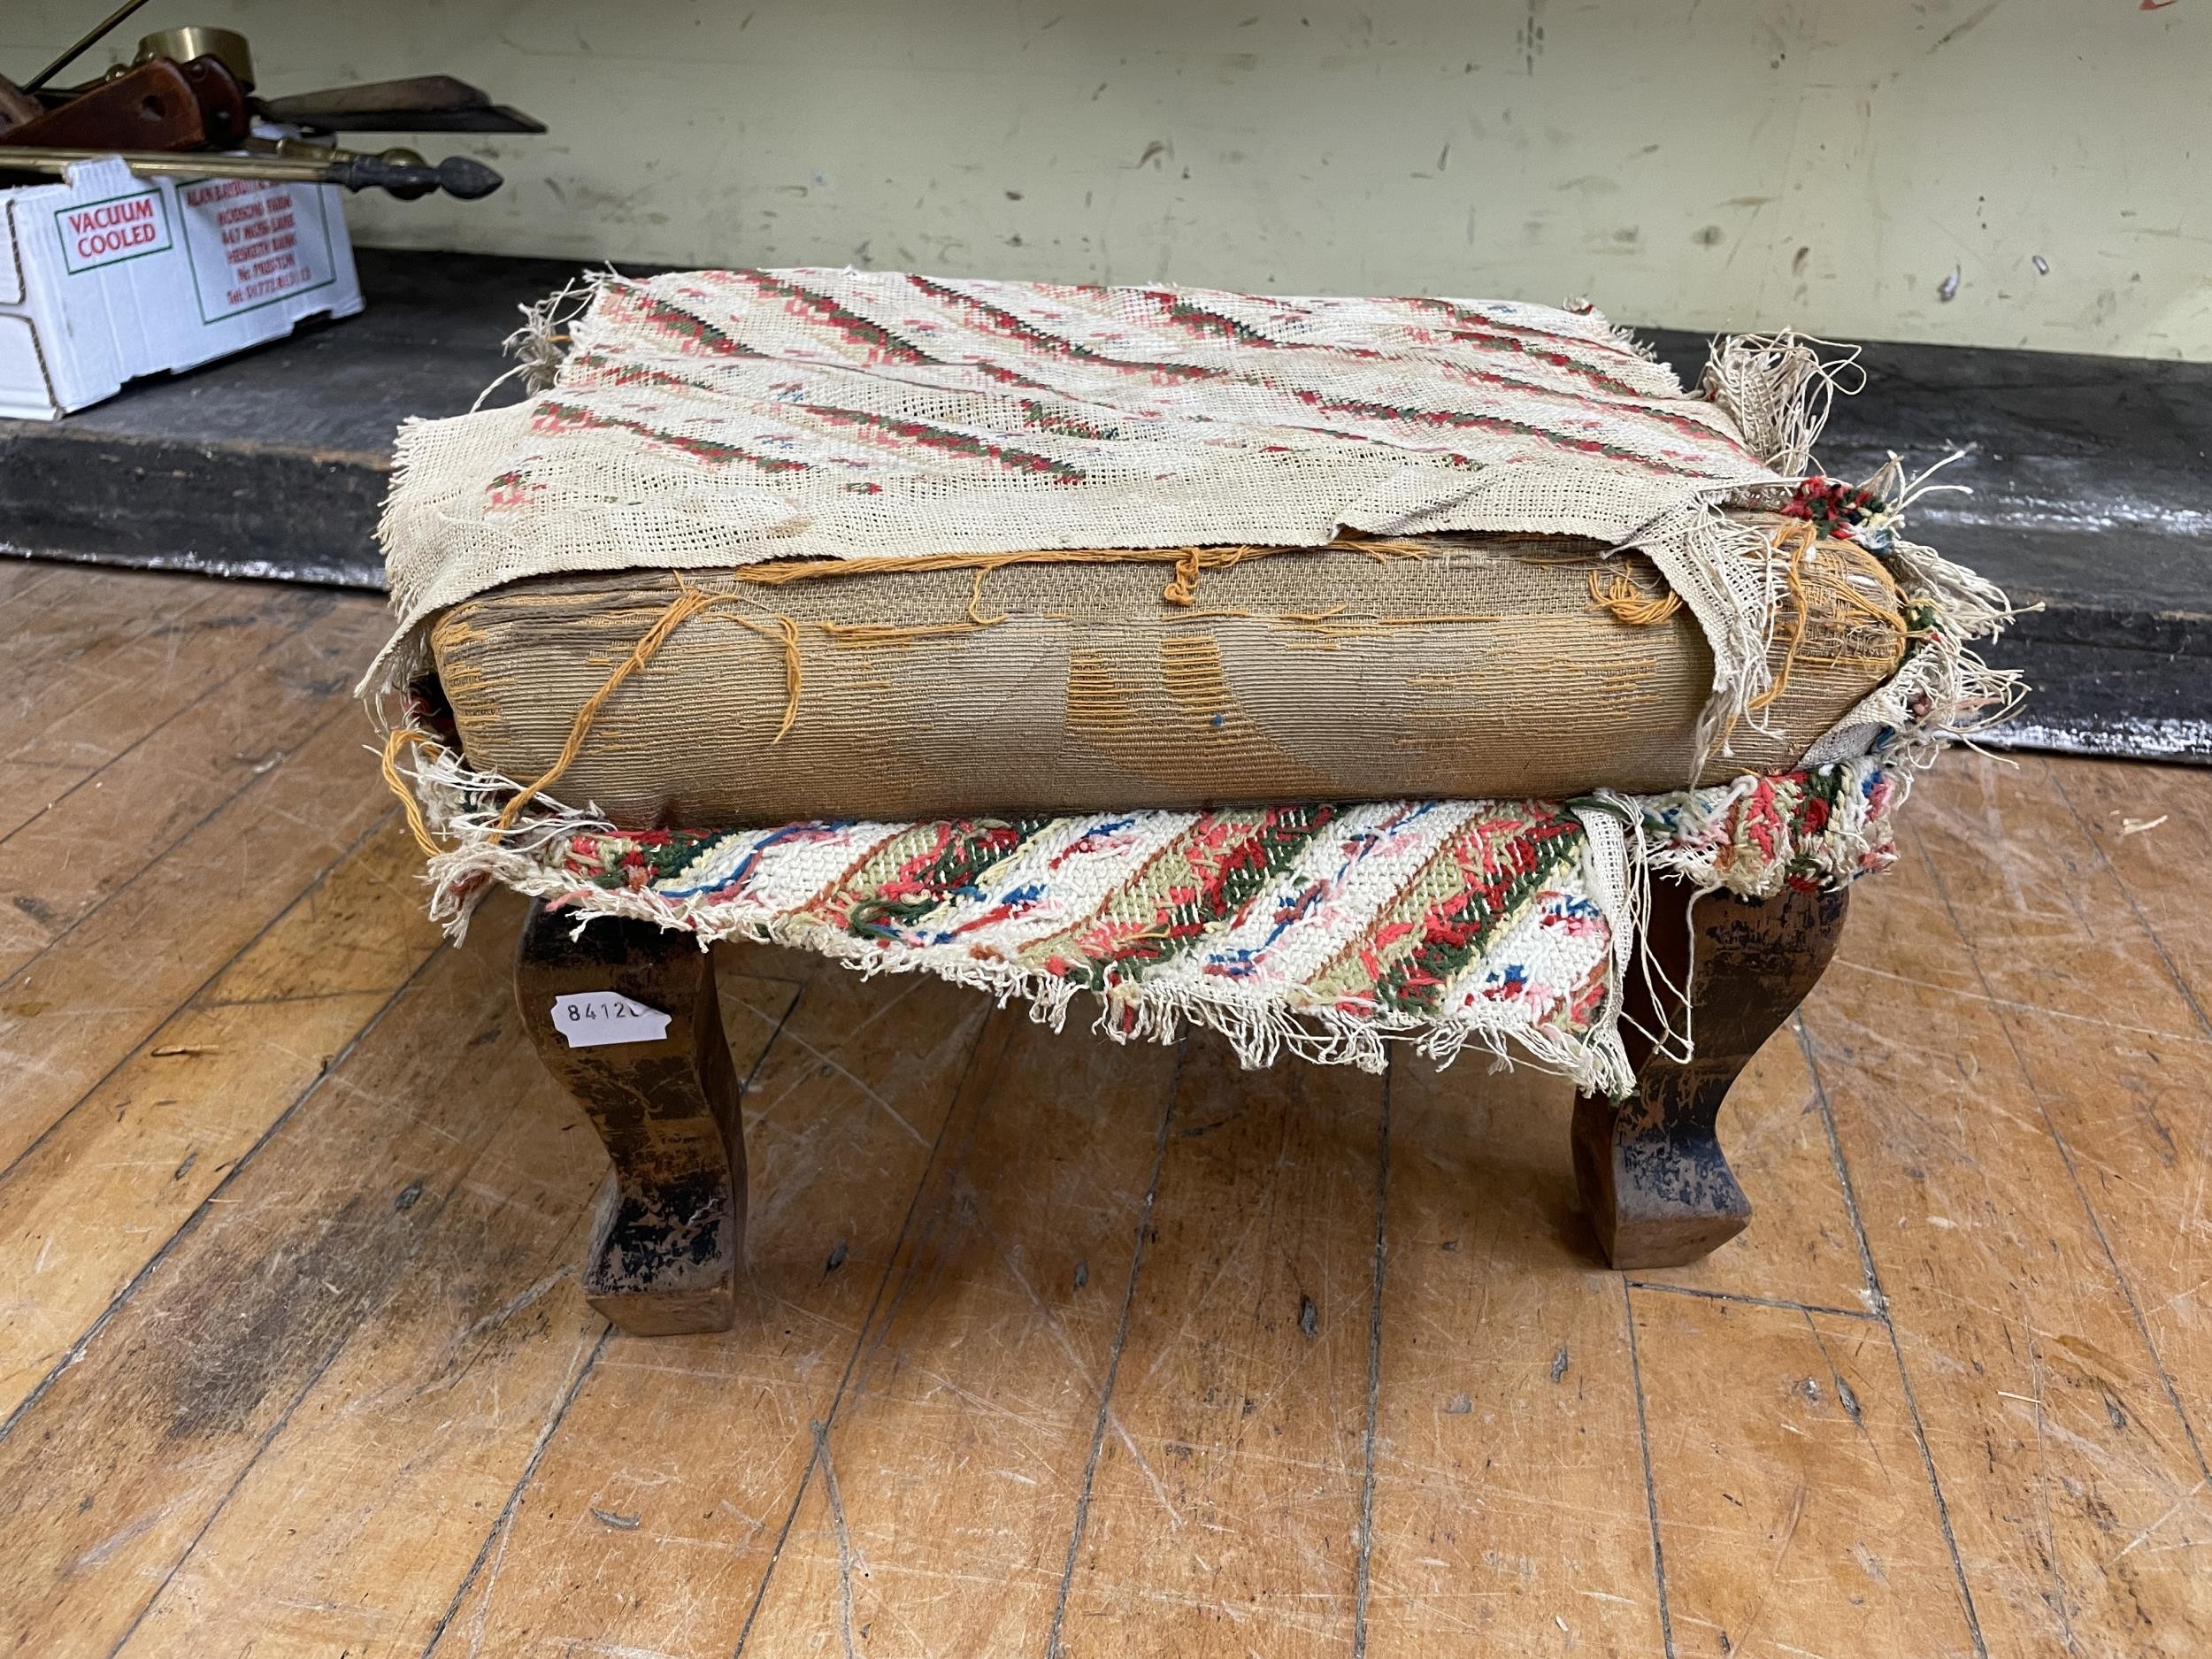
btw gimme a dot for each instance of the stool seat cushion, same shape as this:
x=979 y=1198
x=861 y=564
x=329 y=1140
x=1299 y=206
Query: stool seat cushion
x=1463 y=667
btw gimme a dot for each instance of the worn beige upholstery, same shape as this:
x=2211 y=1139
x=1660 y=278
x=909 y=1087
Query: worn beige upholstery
x=1488 y=668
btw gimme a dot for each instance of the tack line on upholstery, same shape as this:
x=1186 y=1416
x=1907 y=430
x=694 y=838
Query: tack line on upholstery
x=1175 y=705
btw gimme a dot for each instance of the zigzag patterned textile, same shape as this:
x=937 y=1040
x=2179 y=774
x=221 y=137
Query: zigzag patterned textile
x=1326 y=930
x=717 y=417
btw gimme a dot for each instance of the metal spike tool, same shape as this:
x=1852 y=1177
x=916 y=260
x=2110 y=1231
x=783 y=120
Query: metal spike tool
x=401 y=171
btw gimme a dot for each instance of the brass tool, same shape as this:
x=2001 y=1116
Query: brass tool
x=197 y=40
x=457 y=175
x=191 y=89
x=417 y=103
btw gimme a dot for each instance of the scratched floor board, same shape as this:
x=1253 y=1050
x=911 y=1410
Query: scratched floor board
x=2048 y=1426
x=94 y=677
x=98 y=675
x=129 y=1453
x=293 y=1361
x=28 y=787
x=85 y=616
x=156 y=1136
x=650 y=1523
x=137 y=672
x=2149 y=823
x=72 y=1008
x=959 y=1450
x=1224 y=1510
x=1509 y=1513
x=2073 y=960
x=67 y=858
x=1794 y=1511
x=368 y=1507
x=21 y=578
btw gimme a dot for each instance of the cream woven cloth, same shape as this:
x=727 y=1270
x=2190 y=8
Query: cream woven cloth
x=717 y=417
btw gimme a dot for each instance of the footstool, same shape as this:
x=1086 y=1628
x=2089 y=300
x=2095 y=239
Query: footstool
x=1340 y=675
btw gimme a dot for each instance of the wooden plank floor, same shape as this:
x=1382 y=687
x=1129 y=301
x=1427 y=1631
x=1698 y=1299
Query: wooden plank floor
x=1048 y=1347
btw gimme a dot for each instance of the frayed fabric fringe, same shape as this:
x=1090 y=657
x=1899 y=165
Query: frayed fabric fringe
x=1725 y=572
x=1260 y=1029
x=1822 y=825
x=1777 y=389
x=1542 y=983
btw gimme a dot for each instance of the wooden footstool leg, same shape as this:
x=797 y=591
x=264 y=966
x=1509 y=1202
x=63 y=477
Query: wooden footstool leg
x=1652 y=1173
x=627 y=1017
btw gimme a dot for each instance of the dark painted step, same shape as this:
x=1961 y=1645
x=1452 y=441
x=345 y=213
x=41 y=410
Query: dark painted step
x=272 y=463
x=2091 y=481
x=2093 y=487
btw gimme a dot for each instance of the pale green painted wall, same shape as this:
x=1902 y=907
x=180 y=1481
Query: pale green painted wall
x=1713 y=163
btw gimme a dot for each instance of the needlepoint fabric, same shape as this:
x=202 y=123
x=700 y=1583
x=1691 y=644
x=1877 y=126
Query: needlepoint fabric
x=1323 y=929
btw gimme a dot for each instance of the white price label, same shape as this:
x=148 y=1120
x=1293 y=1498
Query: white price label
x=592 y=1018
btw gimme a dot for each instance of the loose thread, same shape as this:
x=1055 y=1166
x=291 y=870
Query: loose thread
x=787 y=631
x=1183 y=590
x=895 y=632
x=417 y=825
x=1182 y=587
x=1614 y=591
x=975 y=600
x=1890 y=616
x=689 y=602
x=1441 y=616
x=1799 y=538
x=1617 y=593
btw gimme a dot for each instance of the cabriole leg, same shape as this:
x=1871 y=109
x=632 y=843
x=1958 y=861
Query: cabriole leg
x=669 y=1233
x=1657 y=1186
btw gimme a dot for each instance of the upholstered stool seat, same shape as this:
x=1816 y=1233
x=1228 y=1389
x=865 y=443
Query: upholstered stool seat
x=1345 y=676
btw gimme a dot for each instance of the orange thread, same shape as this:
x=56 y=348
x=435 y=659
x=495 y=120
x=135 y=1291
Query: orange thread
x=975 y=598
x=417 y=825
x=689 y=600
x=1801 y=535
x=687 y=604
x=1616 y=592
x=787 y=631
x=893 y=633
x=1184 y=587
x=1190 y=562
